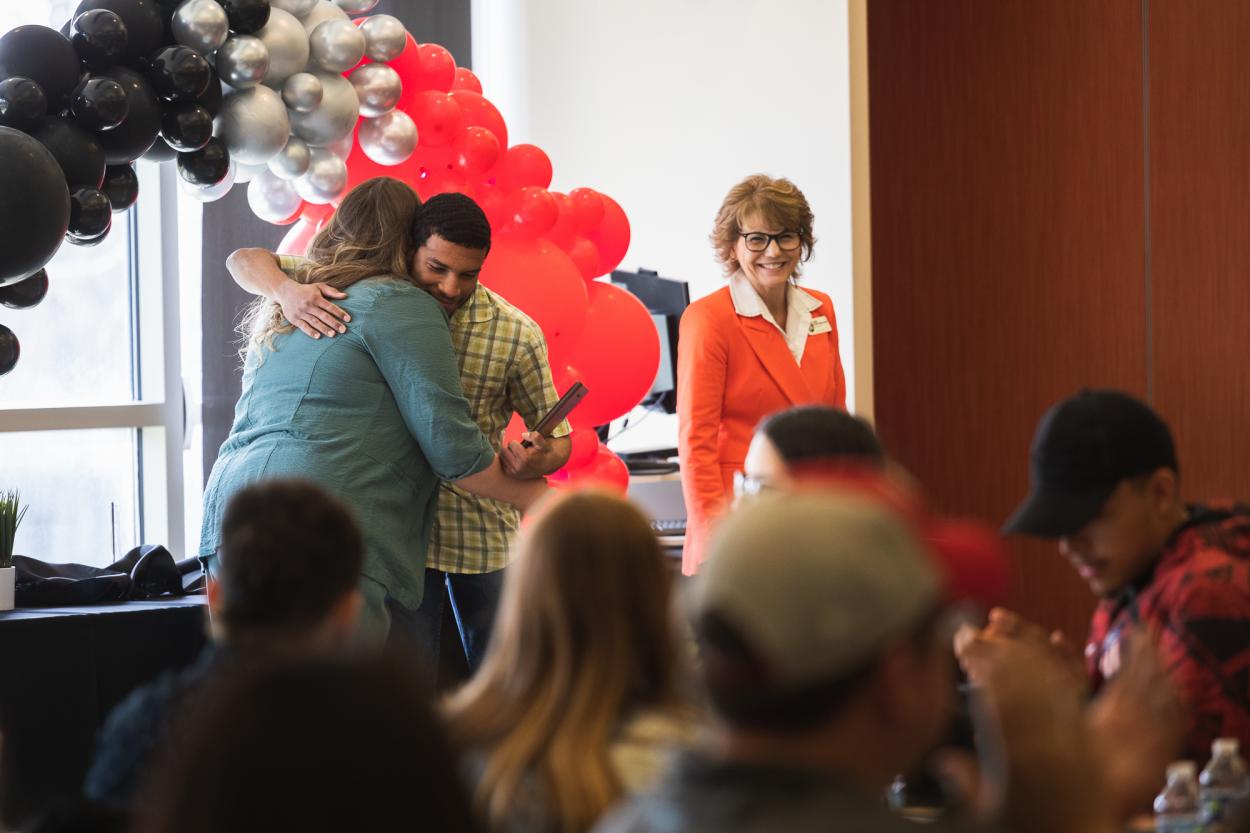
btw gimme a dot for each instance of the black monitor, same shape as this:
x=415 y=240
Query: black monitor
x=666 y=300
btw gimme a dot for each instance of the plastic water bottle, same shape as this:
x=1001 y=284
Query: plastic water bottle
x=1177 y=808
x=1223 y=781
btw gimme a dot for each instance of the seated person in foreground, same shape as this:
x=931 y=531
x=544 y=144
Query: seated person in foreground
x=579 y=700
x=289 y=567
x=789 y=442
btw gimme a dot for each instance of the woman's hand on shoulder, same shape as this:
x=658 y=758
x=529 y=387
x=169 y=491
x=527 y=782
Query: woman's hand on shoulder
x=308 y=307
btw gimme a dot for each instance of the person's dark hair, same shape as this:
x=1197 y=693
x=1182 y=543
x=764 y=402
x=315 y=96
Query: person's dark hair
x=741 y=690
x=817 y=432
x=289 y=551
x=455 y=218
x=80 y=817
x=322 y=745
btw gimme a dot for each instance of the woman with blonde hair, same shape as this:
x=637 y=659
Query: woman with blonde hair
x=579 y=700
x=757 y=346
x=376 y=416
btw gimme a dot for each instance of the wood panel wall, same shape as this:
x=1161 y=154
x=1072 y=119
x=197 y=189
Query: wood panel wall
x=1008 y=242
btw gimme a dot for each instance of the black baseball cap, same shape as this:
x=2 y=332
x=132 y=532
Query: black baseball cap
x=1084 y=446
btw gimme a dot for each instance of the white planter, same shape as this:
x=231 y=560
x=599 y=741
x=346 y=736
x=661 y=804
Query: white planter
x=8 y=576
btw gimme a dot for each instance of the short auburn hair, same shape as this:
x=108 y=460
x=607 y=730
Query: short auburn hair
x=776 y=202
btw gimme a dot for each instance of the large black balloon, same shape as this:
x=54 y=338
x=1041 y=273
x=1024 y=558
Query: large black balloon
x=27 y=293
x=90 y=213
x=77 y=151
x=246 y=16
x=144 y=29
x=206 y=166
x=34 y=205
x=99 y=104
x=44 y=56
x=160 y=151
x=212 y=97
x=132 y=138
x=22 y=103
x=186 y=127
x=10 y=350
x=99 y=37
x=121 y=186
x=178 y=73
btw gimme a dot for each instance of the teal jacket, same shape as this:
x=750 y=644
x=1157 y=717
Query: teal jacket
x=375 y=415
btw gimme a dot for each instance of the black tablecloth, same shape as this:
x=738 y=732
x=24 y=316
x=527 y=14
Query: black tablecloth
x=63 y=669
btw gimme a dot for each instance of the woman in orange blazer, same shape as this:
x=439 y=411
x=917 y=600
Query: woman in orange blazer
x=757 y=346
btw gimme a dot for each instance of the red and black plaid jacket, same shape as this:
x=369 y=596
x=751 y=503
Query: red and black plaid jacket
x=1197 y=600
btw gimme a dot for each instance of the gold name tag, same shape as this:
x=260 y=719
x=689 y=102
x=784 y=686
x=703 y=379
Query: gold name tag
x=819 y=325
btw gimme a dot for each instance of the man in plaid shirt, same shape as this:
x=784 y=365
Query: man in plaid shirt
x=503 y=369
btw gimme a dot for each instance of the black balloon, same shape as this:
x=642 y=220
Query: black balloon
x=186 y=127
x=27 y=293
x=86 y=242
x=90 y=213
x=10 y=350
x=206 y=166
x=160 y=151
x=99 y=37
x=211 y=99
x=121 y=186
x=22 y=103
x=178 y=73
x=77 y=151
x=34 y=205
x=44 y=56
x=142 y=18
x=246 y=16
x=99 y=104
x=132 y=138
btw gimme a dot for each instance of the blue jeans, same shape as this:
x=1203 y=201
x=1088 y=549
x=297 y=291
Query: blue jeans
x=474 y=599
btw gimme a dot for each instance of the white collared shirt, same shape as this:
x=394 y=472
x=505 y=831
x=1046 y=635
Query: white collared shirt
x=799 y=308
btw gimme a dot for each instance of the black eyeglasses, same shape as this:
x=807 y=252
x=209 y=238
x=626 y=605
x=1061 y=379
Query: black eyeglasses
x=757 y=241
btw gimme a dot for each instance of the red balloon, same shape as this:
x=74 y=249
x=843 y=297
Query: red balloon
x=496 y=202
x=562 y=233
x=466 y=80
x=605 y=470
x=436 y=69
x=534 y=213
x=437 y=116
x=475 y=151
x=618 y=354
x=316 y=213
x=476 y=111
x=611 y=236
x=525 y=165
x=542 y=282
x=516 y=427
x=440 y=182
x=586 y=256
x=587 y=209
x=297 y=239
x=585 y=443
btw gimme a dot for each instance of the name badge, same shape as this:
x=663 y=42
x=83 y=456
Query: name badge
x=820 y=324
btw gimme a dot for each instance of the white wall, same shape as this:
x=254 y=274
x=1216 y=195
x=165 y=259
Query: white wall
x=665 y=104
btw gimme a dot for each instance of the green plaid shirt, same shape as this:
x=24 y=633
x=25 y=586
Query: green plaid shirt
x=503 y=369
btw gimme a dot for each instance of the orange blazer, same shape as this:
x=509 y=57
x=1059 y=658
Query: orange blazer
x=732 y=371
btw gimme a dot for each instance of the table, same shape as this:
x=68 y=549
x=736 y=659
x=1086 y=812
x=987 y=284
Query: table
x=63 y=669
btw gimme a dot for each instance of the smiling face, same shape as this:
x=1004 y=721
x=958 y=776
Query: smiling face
x=448 y=271
x=770 y=268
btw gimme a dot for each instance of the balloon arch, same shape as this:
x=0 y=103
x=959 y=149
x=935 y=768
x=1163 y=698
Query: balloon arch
x=300 y=103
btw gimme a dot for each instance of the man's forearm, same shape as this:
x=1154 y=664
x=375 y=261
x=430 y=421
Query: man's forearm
x=257 y=271
x=556 y=455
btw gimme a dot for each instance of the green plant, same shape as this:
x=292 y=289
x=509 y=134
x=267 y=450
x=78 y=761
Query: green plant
x=11 y=514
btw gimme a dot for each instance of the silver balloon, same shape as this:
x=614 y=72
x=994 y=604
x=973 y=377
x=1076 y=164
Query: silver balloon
x=334 y=118
x=254 y=125
x=356 y=6
x=272 y=199
x=302 y=92
x=343 y=147
x=323 y=10
x=287 y=42
x=246 y=173
x=201 y=25
x=385 y=37
x=242 y=61
x=378 y=87
x=326 y=177
x=210 y=193
x=292 y=161
x=299 y=8
x=336 y=45
x=389 y=139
